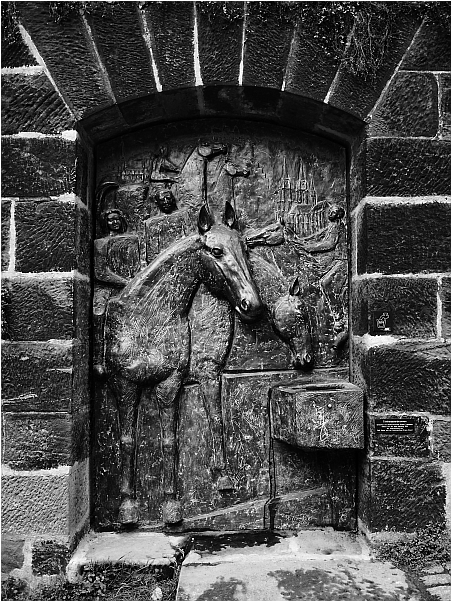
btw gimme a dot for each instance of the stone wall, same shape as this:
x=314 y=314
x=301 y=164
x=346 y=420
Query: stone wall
x=106 y=72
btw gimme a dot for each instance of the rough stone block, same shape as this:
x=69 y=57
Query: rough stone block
x=49 y=558
x=268 y=37
x=430 y=50
x=358 y=93
x=220 y=26
x=6 y=215
x=34 y=442
x=311 y=67
x=407 y=167
x=414 y=444
x=65 y=47
x=37 y=167
x=79 y=497
x=318 y=415
x=31 y=104
x=405 y=495
x=405 y=238
x=36 y=376
x=171 y=26
x=445 y=302
x=444 y=95
x=14 y=50
x=409 y=107
x=357 y=170
x=408 y=377
x=12 y=553
x=45 y=236
x=80 y=431
x=122 y=47
x=40 y=309
x=441 y=437
x=35 y=504
x=411 y=301
x=299 y=510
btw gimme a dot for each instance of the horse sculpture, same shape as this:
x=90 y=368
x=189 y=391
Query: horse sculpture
x=147 y=339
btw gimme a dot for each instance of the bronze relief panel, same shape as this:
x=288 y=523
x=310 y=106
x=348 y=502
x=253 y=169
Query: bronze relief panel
x=220 y=269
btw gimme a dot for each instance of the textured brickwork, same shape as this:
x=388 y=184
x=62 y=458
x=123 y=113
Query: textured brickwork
x=408 y=108
x=411 y=301
x=430 y=50
x=441 y=437
x=445 y=306
x=400 y=167
x=444 y=90
x=405 y=238
x=31 y=104
x=37 y=167
x=406 y=495
x=408 y=377
x=6 y=214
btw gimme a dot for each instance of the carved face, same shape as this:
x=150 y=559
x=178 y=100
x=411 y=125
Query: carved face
x=165 y=201
x=291 y=321
x=335 y=213
x=114 y=222
x=226 y=272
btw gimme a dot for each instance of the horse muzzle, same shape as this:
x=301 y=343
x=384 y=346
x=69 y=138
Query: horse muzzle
x=305 y=362
x=249 y=311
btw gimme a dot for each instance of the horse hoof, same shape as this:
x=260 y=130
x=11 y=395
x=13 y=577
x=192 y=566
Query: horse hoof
x=225 y=483
x=128 y=512
x=172 y=512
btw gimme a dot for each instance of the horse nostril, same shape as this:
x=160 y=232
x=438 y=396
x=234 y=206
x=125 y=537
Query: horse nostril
x=244 y=304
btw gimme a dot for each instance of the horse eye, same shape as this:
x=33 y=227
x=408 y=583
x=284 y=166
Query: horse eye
x=216 y=252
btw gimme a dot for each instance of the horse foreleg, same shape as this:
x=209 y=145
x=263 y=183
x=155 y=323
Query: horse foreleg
x=211 y=393
x=167 y=393
x=127 y=399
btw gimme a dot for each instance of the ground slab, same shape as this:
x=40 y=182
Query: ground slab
x=135 y=549
x=316 y=564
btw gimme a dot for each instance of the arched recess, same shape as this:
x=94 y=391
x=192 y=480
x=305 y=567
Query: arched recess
x=299 y=123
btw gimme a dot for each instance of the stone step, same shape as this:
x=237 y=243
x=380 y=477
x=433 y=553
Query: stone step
x=318 y=564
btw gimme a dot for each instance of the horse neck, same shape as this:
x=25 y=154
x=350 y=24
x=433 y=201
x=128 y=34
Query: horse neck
x=170 y=281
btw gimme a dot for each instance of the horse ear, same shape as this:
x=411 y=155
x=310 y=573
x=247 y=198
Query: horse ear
x=229 y=215
x=294 y=289
x=205 y=220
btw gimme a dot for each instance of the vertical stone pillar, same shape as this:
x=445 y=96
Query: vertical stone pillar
x=401 y=236
x=45 y=323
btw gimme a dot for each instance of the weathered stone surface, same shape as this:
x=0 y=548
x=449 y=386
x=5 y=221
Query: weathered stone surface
x=405 y=238
x=411 y=301
x=408 y=108
x=268 y=37
x=36 y=376
x=35 y=504
x=400 y=167
x=430 y=50
x=14 y=50
x=245 y=515
x=413 y=444
x=40 y=309
x=79 y=497
x=46 y=236
x=444 y=95
x=441 y=440
x=357 y=93
x=358 y=181
x=64 y=45
x=408 y=377
x=34 y=442
x=318 y=415
x=430 y=580
x=31 y=104
x=311 y=68
x=37 y=166
x=122 y=47
x=49 y=557
x=444 y=292
x=405 y=495
x=12 y=553
x=171 y=27
x=441 y=592
x=80 y=435
x=216 y=30
x=6 y=215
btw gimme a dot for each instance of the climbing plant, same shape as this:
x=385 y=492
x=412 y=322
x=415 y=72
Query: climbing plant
x=355 y=34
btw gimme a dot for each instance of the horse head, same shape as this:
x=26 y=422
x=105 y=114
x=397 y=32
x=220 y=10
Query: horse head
x=225 y=269
x=290 y=318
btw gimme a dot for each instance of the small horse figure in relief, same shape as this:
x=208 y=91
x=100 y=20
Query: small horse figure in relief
x=291 y=322
x=147 y=340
